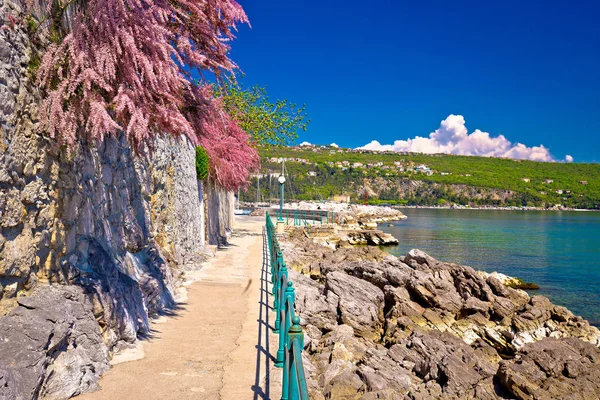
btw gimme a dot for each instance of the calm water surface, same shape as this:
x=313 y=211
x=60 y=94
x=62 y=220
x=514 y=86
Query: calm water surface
x=560 y=251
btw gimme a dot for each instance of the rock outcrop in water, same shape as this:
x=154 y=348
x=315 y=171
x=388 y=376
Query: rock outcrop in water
x=354 y=216
x=334 y=236
x=416 y=328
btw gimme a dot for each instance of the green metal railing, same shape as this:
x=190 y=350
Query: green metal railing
x=303 y=217
x=287 y=323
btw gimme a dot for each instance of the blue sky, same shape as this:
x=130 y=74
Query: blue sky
x=393 y=70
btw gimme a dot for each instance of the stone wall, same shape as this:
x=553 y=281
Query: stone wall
x=201 y=200
x=220 y=216
x=110 y=230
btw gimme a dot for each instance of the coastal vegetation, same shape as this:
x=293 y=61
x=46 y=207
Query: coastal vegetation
x=267 y=122
x=429 y=179
x=202 y=163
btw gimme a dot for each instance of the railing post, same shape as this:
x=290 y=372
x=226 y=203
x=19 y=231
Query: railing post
x=279 y=290
x=272 y=253
x=275 y=265
x=288 y=305
x=270 y=241
x=296 y=331
x=284 y=341
x=272 y=260
x=296 y=336
x=285 y=378
x=284 y=322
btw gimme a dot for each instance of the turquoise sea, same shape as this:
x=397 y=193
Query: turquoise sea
x=560 y=251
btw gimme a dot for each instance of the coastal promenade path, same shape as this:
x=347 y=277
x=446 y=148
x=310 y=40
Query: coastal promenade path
x=218 y=343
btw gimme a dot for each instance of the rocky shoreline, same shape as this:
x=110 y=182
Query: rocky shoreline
x=496 y=208
x=354 y=216
x=334 y=236
x=412 y=327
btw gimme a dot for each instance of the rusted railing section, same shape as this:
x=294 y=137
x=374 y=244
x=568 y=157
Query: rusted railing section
x=287 y=323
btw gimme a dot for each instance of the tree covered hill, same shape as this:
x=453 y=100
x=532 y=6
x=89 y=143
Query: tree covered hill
x=319 y=172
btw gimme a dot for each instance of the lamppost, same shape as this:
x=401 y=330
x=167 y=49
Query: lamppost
x=281 y=182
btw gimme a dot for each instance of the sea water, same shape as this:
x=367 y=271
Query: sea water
x=558 y=250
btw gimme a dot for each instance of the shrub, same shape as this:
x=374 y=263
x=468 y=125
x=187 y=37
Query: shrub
x=202 y=163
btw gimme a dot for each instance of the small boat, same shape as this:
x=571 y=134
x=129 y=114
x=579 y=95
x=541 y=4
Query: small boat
x=238 y=210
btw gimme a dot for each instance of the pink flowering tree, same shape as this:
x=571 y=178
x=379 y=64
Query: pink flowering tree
x=232 y=158
x=125 y=65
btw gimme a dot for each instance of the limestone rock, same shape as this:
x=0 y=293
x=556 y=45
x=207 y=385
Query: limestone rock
x=454 y=365
x=370 y=237
x=553 y=369
x=473 y=304
x=18 y=256
x=50 y=346
x=360 y=304
x=11 y=209
x=313 y=304
x=414 y=327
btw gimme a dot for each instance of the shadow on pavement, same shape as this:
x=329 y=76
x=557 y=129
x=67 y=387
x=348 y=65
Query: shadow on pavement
x=264 y=359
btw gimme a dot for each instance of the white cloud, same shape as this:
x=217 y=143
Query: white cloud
x=568 y=158
x=305 y=144
x=375 y=145
x=334 y=145
x=452 y=137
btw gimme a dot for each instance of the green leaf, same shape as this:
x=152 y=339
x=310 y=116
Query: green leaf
x=202 y=163
x=266 y=122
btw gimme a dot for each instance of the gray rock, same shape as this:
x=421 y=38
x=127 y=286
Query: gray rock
x=554 y=369
x=314 y=305
x=420 y=257
x=345 y=385
x=473 y=304
x=33 y=192
x=18 y=256
x=360 y=303
x=435 y=292
x=425 y=329
x=51 y=346
x=353 y=347
x=11 y=209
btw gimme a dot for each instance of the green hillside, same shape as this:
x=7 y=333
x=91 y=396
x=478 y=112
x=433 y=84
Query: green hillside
x=321 y=172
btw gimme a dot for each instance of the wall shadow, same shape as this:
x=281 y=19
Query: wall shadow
x=264 y=358
x=106 y=246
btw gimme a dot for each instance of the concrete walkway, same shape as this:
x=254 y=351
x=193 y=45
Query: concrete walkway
x=214 y=345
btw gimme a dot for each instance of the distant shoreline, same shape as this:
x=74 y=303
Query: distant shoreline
x=396 y=206
x=492 y=208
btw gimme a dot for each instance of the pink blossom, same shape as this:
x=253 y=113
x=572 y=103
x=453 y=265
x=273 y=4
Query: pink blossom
x=121 y=68
x=126 y=57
